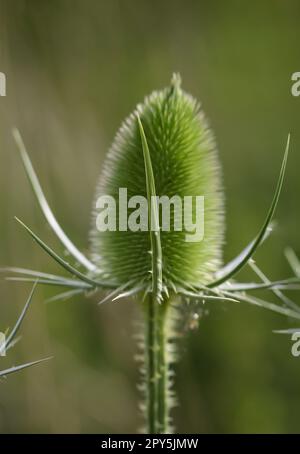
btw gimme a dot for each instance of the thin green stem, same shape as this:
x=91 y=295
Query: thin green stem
x=156 y=366
x=151 y=366
x=162 y=368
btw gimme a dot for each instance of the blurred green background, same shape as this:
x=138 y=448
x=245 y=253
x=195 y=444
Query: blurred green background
x=74 y=70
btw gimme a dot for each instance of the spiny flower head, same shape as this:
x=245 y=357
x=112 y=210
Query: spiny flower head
x=185 y=163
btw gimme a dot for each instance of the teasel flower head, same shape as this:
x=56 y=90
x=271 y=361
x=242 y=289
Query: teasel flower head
x=185 y=163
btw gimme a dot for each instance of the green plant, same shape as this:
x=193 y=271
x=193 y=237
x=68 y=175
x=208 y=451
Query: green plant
x=294 y=263
x=11 y=340
x=164 y=148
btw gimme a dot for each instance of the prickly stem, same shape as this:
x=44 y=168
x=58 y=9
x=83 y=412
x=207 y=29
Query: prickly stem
x=157 y=365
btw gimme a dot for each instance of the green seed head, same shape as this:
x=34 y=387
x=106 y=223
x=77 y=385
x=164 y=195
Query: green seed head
x=185 y=163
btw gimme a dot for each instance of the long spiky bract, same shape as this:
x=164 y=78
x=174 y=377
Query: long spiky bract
x=294 y=263
x=12 y=370
x=282 y=297
x=72 y=249
x=153 y=224
x=15 y=329
x=9 y=341
x=164 y=148
x=237 y=264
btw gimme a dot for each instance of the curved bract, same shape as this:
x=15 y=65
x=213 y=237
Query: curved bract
x=185 y=163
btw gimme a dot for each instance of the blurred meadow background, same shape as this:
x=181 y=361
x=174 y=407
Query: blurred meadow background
x=74 y=70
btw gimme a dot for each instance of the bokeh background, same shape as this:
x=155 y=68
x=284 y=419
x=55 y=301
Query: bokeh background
x=74 y=70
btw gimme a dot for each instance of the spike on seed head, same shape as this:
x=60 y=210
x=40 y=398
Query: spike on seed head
x=176 y=81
